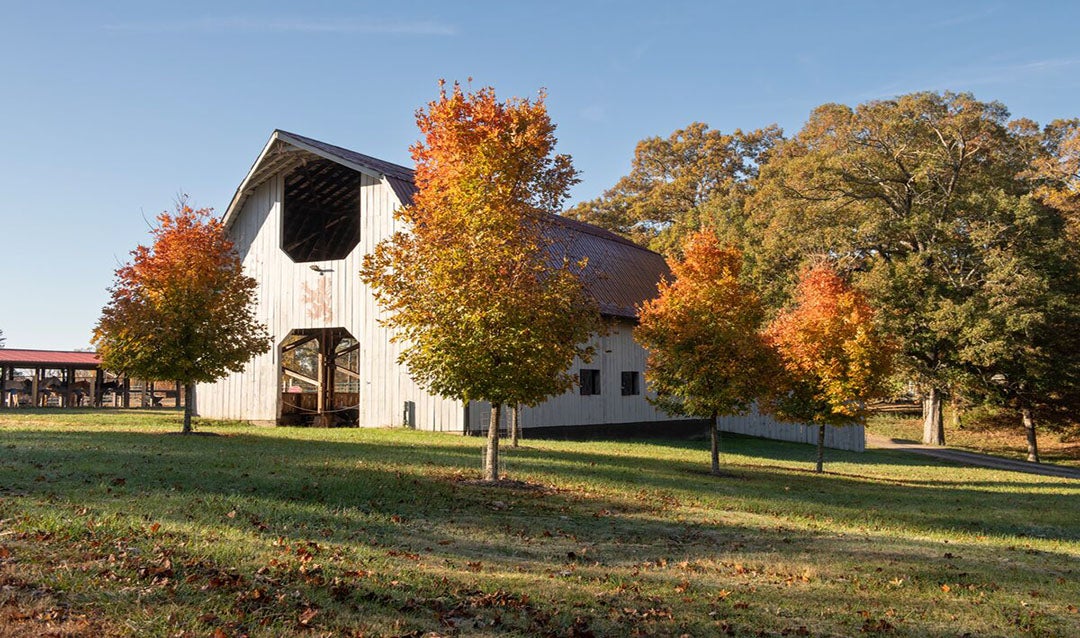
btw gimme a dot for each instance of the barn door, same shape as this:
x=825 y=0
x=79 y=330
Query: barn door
x=319 y=377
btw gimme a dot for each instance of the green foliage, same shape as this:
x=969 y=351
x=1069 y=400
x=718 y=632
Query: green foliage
x=682 y=183
x=941 y=211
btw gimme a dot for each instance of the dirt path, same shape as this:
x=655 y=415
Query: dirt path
x=972 y=458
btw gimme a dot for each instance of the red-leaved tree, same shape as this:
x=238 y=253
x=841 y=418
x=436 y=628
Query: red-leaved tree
x=476 y=288
x=706 y=356
x=182 y=309
x=833 y=357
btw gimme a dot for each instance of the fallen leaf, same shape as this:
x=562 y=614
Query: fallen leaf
x=307 y=615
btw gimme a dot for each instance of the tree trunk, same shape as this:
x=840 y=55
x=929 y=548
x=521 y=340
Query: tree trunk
x=515 y=425
x=957 y=413
x=933 y=423
x=189 y=392
x=1029 y=427
x=820 y=449
x=715 y=445
x=491 y=457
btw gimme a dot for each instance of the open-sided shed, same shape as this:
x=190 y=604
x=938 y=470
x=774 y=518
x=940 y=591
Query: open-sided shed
x=52 y=373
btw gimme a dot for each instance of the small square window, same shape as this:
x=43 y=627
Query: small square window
x=590 y=381
x=631 y=383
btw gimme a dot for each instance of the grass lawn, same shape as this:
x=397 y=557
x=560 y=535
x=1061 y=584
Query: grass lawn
x=112 y=525
x=997 y=438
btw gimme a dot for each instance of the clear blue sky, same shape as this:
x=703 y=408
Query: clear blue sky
x=109 y=109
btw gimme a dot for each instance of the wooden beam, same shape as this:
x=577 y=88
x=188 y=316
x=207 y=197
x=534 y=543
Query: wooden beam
x=346 y=371
x=320 y=405
x=297 y=344
x=34 y=388
x=299 y=376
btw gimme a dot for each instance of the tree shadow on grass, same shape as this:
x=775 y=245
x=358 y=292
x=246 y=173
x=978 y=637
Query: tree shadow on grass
x=396 y=499
x=425 y=481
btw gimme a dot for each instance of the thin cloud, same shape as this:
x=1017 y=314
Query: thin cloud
x=965 y=18
x=966 y=79
x=287 y=25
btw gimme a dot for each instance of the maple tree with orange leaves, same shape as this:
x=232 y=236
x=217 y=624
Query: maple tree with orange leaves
x=182 y=309
x=833 y=356
x=706 y=357
x=477 y=289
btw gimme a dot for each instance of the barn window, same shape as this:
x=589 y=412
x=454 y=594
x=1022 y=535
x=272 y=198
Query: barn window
x=631 y=383
x=321 y=216
x=590 y=381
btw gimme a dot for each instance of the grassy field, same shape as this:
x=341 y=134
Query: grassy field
x=1000 y=437
x=112 y=525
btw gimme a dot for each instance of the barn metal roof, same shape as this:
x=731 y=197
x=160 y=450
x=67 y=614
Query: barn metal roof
x=622 y=274
x=18 y=358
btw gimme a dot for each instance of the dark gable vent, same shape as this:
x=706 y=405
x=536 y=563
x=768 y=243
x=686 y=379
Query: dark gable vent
x=321 y=218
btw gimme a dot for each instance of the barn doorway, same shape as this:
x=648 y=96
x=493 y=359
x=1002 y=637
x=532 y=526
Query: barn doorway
x=320 y=380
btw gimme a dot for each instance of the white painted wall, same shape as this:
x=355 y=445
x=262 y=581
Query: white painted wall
x=293 y=296
x=615 y=352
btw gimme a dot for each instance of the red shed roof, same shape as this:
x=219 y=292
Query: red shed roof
x=15 y=357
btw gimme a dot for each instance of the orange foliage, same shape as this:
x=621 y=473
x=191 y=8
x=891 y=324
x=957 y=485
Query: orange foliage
x=833 y=356
x=181 y=310
x=706 y=357
x=482 y=297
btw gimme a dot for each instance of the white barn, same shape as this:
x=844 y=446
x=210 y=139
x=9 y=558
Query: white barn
x=304 y=217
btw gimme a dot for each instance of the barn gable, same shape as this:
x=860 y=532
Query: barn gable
x=621 y=274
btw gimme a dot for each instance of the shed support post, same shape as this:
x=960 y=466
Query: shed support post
x=34 y=384
x=96 y=390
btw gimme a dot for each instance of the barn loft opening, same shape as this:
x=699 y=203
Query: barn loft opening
x=321 y=216
x=320 y=381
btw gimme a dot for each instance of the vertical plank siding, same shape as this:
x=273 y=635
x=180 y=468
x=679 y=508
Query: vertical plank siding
x=851 y=437
x=285 y=292
x=618 y=352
